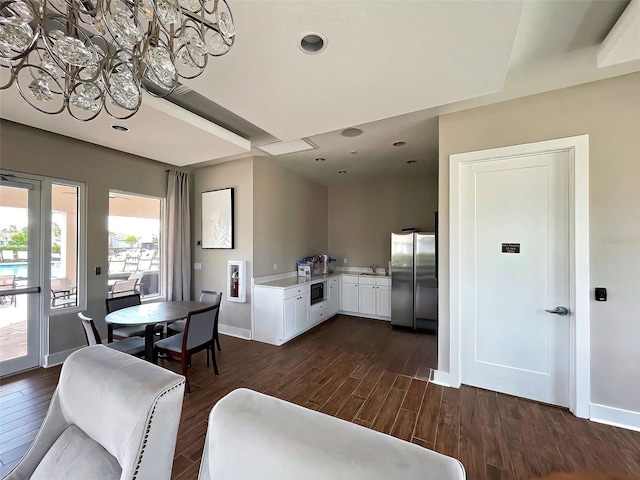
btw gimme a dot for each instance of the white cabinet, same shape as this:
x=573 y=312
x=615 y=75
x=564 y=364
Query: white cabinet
x=367 y=296
x=373 y=297
x=333 y=297
x=349 y=293
x=280 y=313
x=296 y=315
x=383 y=300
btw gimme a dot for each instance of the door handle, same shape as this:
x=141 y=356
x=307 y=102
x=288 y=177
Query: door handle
x=562 y=311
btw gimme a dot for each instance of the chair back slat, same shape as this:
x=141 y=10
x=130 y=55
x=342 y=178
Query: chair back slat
x=90 y=330
x=199 y=327
x=210 y=296
x=58 y=284
x=124 y=286
x=118 y=303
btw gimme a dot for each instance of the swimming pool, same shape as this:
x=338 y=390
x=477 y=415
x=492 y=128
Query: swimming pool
x=20 y=269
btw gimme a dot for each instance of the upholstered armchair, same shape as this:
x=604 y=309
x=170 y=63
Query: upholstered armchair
x=251 y=435
x=112 y=416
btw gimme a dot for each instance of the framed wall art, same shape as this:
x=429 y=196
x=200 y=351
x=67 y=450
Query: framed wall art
x=217 y=218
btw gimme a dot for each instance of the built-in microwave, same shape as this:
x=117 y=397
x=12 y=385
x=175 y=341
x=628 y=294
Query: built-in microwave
x=317 y=292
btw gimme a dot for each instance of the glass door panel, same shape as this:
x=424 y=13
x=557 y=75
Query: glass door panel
x=20 y=233
x=64 y=246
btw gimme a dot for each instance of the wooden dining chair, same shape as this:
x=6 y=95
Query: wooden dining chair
x=197 y=336
x=132 y=346
x=118 y=303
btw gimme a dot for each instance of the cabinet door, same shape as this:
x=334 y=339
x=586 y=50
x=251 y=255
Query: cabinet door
x=367 y=299
x=334 y=300
x=302 y=312
x=383 y=301
x=349 y=297
x=289 y=317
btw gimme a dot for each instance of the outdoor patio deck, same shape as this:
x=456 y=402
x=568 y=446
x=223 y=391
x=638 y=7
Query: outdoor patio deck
x=13 y=329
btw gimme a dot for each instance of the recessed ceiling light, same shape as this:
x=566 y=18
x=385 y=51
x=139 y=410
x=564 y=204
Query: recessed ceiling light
x=312 y=42
x=320 y=159
x=120 y=128
x=411 y=161
x=342 y=172
x=351 y=132
x=399 y=144
x=354 y=152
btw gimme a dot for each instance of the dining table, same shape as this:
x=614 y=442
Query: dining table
x=150 y=314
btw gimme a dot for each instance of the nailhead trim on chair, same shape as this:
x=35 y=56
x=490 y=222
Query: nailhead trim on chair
x=146 y=435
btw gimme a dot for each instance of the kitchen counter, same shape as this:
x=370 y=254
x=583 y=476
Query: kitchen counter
x=293 y=281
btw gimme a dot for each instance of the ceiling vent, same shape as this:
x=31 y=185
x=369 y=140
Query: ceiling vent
x=292 y=146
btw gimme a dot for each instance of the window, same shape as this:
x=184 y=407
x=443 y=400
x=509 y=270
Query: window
x=64 y=245
x=135 y=233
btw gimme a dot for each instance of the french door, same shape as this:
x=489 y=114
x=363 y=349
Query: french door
x=21 y=226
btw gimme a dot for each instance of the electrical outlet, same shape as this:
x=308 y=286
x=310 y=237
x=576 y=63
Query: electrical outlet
x=197 y=266
x=275 y=267
x=344 y=260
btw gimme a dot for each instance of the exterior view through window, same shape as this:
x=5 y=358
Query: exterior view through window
x=64 y=246
x=134 y=245
x=14 y=238
x=26 y=261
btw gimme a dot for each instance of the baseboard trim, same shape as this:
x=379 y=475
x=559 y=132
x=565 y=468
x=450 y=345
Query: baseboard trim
x=440 y=378
x=362 y=315
x=615 y=416
x=58 y=358
x=232 y=331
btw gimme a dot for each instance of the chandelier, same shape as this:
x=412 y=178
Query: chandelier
x=84 y=56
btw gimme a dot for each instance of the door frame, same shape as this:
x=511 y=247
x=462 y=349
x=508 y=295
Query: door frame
x=35 y=332
x=579 y=335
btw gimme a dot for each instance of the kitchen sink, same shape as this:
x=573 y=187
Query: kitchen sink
x=373 y=274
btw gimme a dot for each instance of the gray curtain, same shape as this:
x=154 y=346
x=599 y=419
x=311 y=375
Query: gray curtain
x=179 y=236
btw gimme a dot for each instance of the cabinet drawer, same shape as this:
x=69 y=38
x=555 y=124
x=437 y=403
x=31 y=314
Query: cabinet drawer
x=349 y=279
x=295 y=291
x=365 y=280
x=383 y=282
x=318 y=307
x=319 y=316
x=333 y=281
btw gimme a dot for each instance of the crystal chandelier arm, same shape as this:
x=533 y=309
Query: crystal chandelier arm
x=88 y=55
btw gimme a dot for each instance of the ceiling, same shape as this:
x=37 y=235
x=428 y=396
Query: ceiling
x=389 y=68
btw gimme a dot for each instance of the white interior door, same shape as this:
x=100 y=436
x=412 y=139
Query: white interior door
x=514 y=265
x=20 y=224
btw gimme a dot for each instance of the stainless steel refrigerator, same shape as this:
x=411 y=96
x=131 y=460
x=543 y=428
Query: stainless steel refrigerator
x=414 y=281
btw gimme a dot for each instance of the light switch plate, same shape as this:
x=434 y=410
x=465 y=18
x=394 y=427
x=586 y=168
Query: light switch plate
x=197 y=266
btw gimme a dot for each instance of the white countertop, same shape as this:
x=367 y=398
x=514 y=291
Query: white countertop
x=293 y=281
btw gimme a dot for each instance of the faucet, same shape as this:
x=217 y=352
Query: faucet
x=373 y=268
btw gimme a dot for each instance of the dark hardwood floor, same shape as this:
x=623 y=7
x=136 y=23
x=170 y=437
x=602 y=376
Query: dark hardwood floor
x=364 y=372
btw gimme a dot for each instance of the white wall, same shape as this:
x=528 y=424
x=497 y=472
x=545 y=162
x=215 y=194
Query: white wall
x=239 y=175
x=29 y=150
x=290 y=218
x=362 y=216
x=609 y=112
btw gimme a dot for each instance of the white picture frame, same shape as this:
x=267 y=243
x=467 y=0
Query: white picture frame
x=217 y=219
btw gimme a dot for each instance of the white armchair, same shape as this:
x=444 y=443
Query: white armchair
x=112 y=416
x=251 y=435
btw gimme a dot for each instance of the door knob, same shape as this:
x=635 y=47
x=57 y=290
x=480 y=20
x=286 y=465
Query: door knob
x=562 y=311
